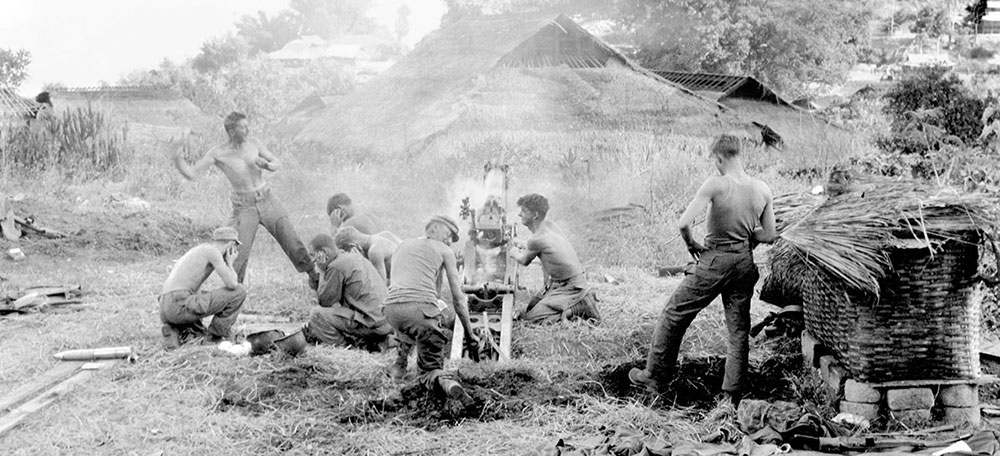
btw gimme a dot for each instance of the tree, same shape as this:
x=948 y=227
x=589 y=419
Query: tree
x=331 y=18
x=974 y=13
x=267 y=34
x=931 y=21
x=219 y=52
x=460 y=9
x=402 y=26
x=931 y=97
x=13 y=67
x=784 y=43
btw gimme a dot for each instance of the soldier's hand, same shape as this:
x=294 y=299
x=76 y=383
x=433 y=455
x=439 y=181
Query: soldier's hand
x=262 y=163
x=231 y=253
x=696 y=249
x=472 y=346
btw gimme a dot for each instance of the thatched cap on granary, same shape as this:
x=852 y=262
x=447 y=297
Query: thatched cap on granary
x=844 y=238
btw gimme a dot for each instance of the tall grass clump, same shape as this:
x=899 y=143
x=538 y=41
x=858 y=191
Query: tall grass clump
x=79 y=144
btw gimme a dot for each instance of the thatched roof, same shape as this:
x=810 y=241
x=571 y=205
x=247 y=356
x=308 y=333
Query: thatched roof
x=15 y=106
x=150 y=112
x=844 y=237
x=455 y=68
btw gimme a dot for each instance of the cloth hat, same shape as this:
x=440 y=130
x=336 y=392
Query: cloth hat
x=447 y=221
x=226 y=233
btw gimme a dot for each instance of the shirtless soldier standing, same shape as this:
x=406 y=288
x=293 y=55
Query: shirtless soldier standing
x=412 y=308
x=242 y=159
x=566 y=293
x=739 y=217
x=183 y=305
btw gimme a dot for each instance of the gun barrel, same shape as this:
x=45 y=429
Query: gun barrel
x=498 y=288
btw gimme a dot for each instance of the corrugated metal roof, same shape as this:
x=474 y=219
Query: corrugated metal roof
x=703 y=82
x=722 y=86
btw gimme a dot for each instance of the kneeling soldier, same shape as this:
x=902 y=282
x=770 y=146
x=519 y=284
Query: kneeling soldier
x=351 y=294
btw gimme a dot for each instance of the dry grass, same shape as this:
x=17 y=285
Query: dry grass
x=200 y=401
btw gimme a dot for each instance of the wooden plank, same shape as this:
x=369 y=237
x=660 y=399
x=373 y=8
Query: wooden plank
x=16 y=416
x=981 y=380
x=56 y=374
x=261 y=318
x=287 y=328
x=991 y=351
x=457 y=340
x=506 y=326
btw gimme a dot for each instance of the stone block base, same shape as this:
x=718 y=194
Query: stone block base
x=909 y=402
x=969 y=416
x=866 y=411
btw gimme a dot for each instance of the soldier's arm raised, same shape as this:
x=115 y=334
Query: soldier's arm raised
x=190 y=172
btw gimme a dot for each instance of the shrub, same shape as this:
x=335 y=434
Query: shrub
x=80 y=143
x=980 y=53
x=957 y=113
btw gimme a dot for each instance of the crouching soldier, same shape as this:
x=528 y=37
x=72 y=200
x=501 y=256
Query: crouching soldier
x=566 y=295
x=377 y=248
x=413 y=310
x=350 y=294
x=183 y=304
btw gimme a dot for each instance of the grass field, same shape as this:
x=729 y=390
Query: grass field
x=565 y=383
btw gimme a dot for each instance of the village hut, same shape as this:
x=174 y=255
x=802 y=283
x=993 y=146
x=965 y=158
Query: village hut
x=782 y=124
x=512 y=76
x=146 y=113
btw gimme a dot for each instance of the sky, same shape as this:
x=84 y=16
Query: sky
x=84 y=43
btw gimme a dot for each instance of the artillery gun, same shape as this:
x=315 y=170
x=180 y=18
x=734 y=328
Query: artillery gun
x=489 y=276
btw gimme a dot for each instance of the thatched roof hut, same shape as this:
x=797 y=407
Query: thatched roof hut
x=150 y=112
x=14 y=106
x=781 y=122
x=539 y=72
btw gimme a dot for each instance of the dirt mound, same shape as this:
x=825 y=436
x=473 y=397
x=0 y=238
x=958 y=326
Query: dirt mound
x=696 y=385
x=112 y=232
x=699 y=380
x=500 y=395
